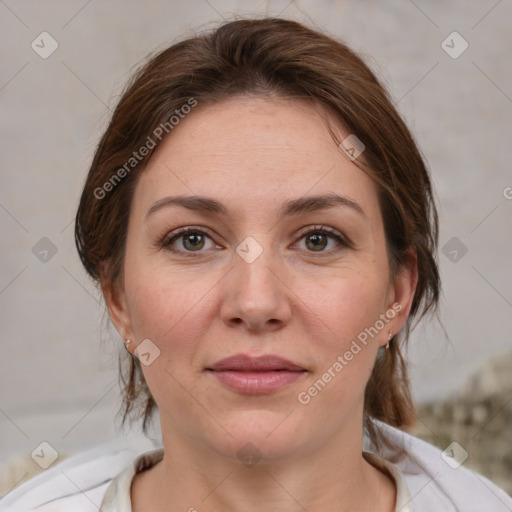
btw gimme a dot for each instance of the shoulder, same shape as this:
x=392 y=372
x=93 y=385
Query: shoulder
x=77 y=483
x=438 y=480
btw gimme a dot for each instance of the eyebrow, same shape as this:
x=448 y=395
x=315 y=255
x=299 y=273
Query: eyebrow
x=291 y=207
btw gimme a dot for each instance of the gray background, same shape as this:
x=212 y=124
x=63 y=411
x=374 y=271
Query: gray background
x=58 y=366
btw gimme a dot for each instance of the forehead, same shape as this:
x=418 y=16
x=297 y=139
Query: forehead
x=253 y=150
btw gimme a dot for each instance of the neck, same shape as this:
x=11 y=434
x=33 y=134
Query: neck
x=332 y=476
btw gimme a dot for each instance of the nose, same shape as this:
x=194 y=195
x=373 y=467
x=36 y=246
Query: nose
x=256 y=296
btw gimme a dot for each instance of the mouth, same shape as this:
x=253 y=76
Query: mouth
x=256 y=375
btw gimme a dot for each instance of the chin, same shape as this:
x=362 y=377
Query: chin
x=260 y=435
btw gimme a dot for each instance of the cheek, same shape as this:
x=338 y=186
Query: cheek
x=346 y=305
x=172 y=312
x=157 y=311
x=345 y=344
x=168 y=307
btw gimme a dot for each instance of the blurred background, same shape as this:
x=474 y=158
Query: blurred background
x=64 y=63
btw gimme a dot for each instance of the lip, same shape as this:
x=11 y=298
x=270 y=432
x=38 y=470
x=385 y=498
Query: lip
x=245 y=363
x=256 y=375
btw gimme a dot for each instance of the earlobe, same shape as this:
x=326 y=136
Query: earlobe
x=404 y=288
x=115 y=301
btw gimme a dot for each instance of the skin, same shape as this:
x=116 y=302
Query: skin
x=306 y=305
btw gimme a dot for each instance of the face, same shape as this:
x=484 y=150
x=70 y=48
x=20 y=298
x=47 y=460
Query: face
x=263 y=270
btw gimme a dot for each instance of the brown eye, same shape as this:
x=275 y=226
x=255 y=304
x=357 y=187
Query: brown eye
x=192 y=241
x=316 y=242
x=187 y=240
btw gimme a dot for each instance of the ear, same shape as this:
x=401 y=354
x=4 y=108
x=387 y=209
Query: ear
x=402 y=290
x=115 y=299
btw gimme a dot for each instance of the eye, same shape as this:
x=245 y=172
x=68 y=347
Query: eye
x=318 y=238
x=188 y=239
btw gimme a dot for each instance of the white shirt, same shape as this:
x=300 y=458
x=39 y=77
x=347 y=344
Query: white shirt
x=101 y=479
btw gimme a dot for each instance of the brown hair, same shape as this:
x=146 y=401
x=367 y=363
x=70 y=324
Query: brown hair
x=265 y=57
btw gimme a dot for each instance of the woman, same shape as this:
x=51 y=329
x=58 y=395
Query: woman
x=262 y=227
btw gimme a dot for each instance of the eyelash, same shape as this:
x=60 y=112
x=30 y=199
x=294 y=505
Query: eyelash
x=170 y=238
